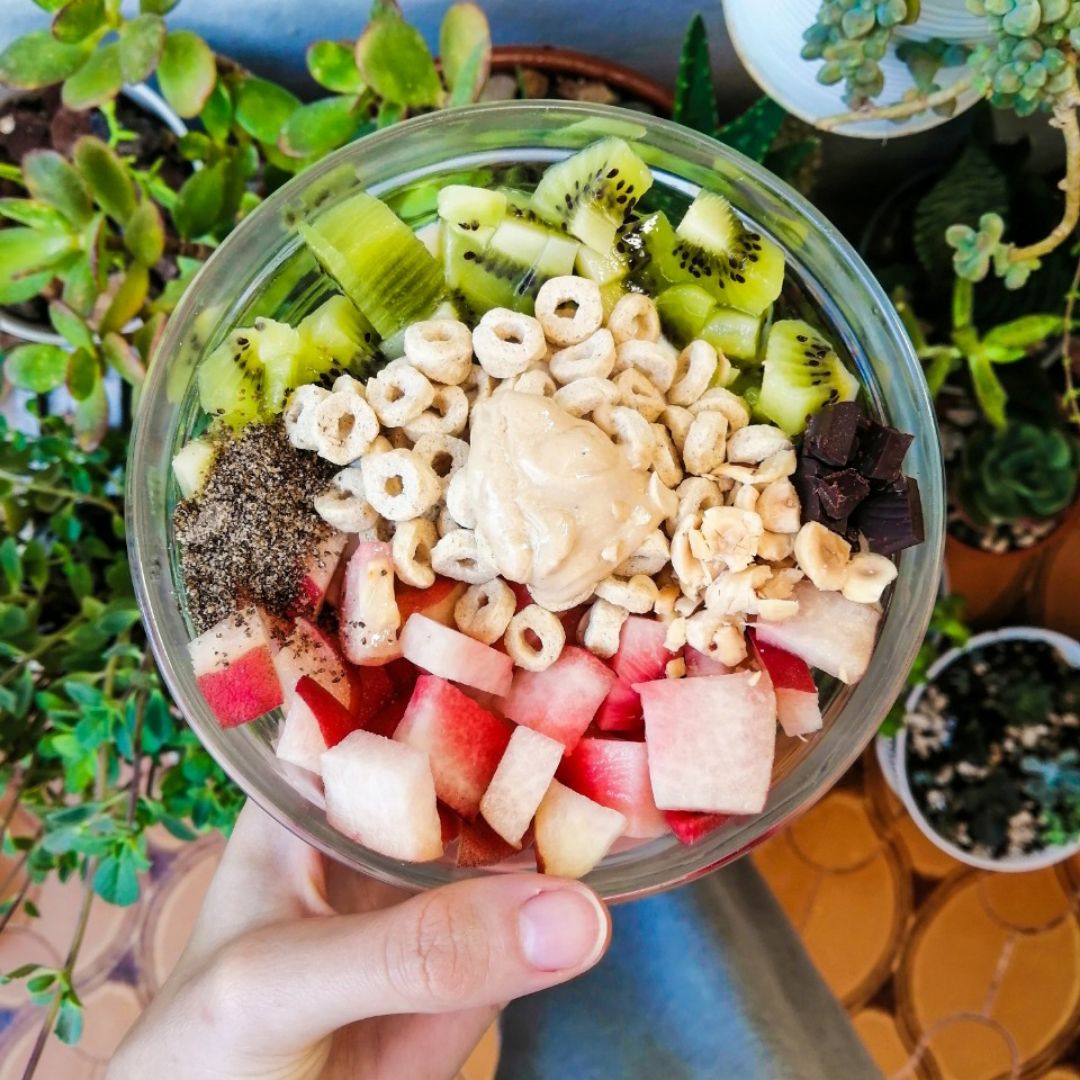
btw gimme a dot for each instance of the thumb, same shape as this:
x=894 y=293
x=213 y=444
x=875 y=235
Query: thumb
x=474 y=943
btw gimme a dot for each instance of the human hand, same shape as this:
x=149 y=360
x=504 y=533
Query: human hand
x=298 y=968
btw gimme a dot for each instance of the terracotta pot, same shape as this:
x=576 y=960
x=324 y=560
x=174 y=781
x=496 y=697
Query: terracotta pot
x=553 y=60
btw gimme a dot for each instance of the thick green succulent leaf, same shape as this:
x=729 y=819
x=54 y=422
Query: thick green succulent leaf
x=53 y=180
x=37 y=59
x=755 y=130
x=1024 y=332
x=37 y=368
x=319 y=127
x=25 y=252
x=217 y=113
x=106 y=176
x=120 y=355
x=262 y=107
x=97 y=81
x=128 y=299
x=147 y=338
x=144 y=236
x=34 y=214
x=14 y=290
x=187 y=72
x=200 y=201
x=77 y=20
x=695 y=92
x=465 y=49
x=988 y=389
x=80 y=286
x=157 y=7
x=333 y=66
x=395 y=62
x=50 y=6
x=94 y=239
x=70 y=326
x=83 y=372
x=142 y=41
x=91 y=419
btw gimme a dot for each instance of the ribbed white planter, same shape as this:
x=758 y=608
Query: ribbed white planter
x=767 y=35
x=892 y=755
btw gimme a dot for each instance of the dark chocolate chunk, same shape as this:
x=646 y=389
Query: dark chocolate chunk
x=881 y=452
x=892 y=519
x=831 y=433
x=840 y=491
x=807 y=473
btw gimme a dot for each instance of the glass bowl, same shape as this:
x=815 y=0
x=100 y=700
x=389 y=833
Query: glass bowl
x=263 y=269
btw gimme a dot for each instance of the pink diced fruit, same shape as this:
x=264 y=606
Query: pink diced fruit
x=519 y=783
x=711 y=742
x=308 y=651
x=797 y=706
x=641 y=656
x=453 y=655
x=318 y=571
x=573 y=833
x=369 y=617
x=560 y=701
x=690 y=827
x=234 y=668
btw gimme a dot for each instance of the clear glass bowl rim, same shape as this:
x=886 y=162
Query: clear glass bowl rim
x=889 y=368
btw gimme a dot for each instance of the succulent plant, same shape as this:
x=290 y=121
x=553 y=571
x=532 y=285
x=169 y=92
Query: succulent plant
x=1018 y=472
x=1055 y=786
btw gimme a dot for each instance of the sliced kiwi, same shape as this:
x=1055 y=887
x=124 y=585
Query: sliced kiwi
x=377 y=260
x=335 y=336
x=801 y=374
x=601 y=267
x=230 y=380
x=591 y=193
x=648 y=244
x=689 y=311
x=735 y=333
x=279 y=350
x=471 y=208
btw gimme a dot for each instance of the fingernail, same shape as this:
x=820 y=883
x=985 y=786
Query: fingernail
x=561 y=929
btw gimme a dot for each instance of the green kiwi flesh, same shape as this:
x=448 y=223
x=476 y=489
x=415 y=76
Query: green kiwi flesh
x=335 y=336
x=230 y=380
x=689 y=311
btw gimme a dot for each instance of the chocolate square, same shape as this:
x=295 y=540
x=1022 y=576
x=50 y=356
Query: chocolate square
x=881 y=452
x=891 y=519
x=841 y=491
x=831 y=434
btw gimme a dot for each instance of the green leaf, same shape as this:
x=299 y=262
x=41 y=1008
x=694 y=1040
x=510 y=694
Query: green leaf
x=120 y=356
x=390 y=112
x=187 y=72
x=262 y=107
x=200 y=201
x=988 y=389
x=34 y=214
x=319 y=127
x=24 y=255
x=52 y=180
x=1024 y=332
x=333 y=66
x=395 y=62
x=20 y=972
x=142 y=41
x=97 y=81
x=77 y=20
x=69 y=1022
x=144 y=236
x=128 y=299
x=39 y=984
x=83 y=372
x=70 y=326
x=695 y=92
x=148 y=336
x=38 y=368
x=91 y=419
x=465 y=49
x=117 y=879
x=217 y=113
x=80 y=287
x=37 y=59
x=10 y=564
x=106 y=176
x=754 y=131
x=157 y=7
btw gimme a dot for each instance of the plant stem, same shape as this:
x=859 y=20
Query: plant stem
x=1072 y=403
x=900 y=111
x=17 y=779
x=19 y=897
x=22 y=484
x=43 y=646
x=136 y=765
x=1065 y=118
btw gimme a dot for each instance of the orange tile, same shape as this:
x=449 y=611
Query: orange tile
x=971 y=1048
x=879 y=1034
x=926 y=859
x=484 y=1059
x=837 y=833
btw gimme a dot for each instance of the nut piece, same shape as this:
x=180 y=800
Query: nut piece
x=705 y=444
x=694 y=370
x=458 y=556
x=755 y=443
x=734 y=592
x=654 y=361
x=584 y=396
x=507 y=343
x=675 y=669
x=675 y=638
x=732 y=535
x=569 y=309
x=411 y=551
x=717 y=636
x=447 y=414
x=867 y=577
x=600 y=629
x=822 y=555
x=634 y=318
x=775 y=547
x=299 y=415
x=441 y=349
x=779 y=507
x=593 y=358
x=343 y=504
x=484 y=611
x=666 y=599
x=652 y=555
x=344 y=426
x=775 y=467
x=636 y=595
x=398 y=394
x=744 y=497
x=546 y=627
x=400 y=485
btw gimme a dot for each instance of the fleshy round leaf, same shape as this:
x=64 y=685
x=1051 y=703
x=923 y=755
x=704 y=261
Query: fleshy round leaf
x=217 y=113
x=37 y=368
x=70 y=326
x=53 y=180
x=128 y=299
x=34 y=214
x=80 y=287
x=120 y=355
x=157 y=7
x=262 y=107
x=97 y=81
x=147 y=338
x=200 y=201
x=83 y=372
x=142 y=41
x=465 y=49
x=333 y=66
x=77 y=20
x=395 y=62
x=144 y=236
x=319 y=127
x=37 y=59
x=91 y=419
x=187 y=72
x=104 y=174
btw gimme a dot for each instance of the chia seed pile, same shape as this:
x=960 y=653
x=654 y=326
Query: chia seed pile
x=248 y=532
x=994 y=750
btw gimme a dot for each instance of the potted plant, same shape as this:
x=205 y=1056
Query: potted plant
x=986 y=761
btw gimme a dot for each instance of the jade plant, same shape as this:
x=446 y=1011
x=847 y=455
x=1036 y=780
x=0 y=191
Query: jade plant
x=1027 y=63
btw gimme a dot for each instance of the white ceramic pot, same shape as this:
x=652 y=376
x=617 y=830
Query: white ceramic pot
x=152 y=102
x=892 y=755
x=767 y=35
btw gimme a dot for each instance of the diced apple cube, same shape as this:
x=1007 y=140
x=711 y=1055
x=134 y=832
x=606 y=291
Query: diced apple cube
x=642 y=655
x=697 y=663
x=453 y=655
x=523 y=775
x=689 y=827
x=480 y=845
x=319 y=569
x=621 y=710
x=797 y=706
x=436 y=602
x=191 y=466
x=301 y=741
x=573 y=833
x=308 y=651
x=369 y=612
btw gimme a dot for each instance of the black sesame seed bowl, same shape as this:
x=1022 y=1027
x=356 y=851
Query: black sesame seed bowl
x=264 y=269
x=991 y=785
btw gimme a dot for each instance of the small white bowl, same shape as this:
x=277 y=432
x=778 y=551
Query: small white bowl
x=892 y=755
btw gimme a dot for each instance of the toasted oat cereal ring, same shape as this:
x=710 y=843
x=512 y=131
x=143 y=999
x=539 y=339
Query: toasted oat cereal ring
x=484 y=611
x=344 y=427
x=654 y=361
x=627 y=428
x=478 y=384
x=637 y=594
x=534 y=381
x=705 y=444
x=344 y=505
x=677 y=420
x=299 y=415
x=569 y=309
x=698 y=493
x=651 y=556
x=399 y=393
x=601 y=626
x=535 y=638
x=400 y=485
x=638 y=393
x=507 y=342
x=458 y=556
x=444 y=453
x=457 y=502
x=444 y=521
x=694 y=370
x=666 y=460
x=593 y=358
x=634 y=318
x=441 y=349
x=349 y=384
x=583 y=396
x=447 y=415
x=411 y=551
x=718 y=399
